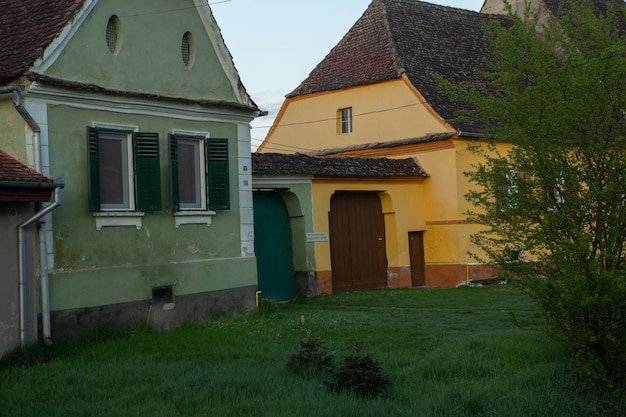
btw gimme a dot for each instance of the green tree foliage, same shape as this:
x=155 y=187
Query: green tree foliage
x=557 y=93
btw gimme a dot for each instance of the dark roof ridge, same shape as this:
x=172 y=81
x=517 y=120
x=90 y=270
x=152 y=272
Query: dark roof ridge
x=336 y=166
x=431 y=137
x=388 y=65
x=394 y=50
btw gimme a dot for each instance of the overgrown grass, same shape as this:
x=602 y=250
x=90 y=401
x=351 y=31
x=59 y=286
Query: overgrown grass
x=446 y=352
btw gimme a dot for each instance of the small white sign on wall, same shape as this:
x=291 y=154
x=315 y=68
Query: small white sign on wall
x=317 y=237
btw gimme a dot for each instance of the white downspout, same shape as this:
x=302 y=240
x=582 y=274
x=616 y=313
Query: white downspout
x=16 y=91
x=56 y=202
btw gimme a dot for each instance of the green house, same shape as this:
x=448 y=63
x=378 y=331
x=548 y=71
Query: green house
x=138 y=107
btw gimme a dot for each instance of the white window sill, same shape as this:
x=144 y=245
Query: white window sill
x=193 y=217
x=118 y=218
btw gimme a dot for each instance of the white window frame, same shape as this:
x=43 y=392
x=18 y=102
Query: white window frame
x=117 y=216
x=128 y=168
x=200 y=215
x=200 y=175
x=345 y=120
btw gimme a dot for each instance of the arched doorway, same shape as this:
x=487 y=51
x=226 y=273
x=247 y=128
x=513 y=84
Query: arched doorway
x=272 y=245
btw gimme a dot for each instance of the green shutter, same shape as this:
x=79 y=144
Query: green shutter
x=93 y=169
x=147 y=171
x=174 y=171
x=218 y=188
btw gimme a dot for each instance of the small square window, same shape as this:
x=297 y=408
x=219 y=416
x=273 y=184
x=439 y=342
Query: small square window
x=345 y=120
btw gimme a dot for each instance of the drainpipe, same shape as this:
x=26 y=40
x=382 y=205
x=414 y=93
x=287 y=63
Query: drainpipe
x=16 y=91
x=56 y=202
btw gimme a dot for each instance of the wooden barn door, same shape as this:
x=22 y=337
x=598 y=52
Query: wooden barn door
x=272 y=245
x=357 y=242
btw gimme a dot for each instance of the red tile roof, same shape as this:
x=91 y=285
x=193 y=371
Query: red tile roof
x=27 y=27
x=12 y=170
x=395 y=37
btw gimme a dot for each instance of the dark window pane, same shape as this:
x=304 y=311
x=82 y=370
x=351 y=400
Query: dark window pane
x=189 y=183
x=112 y=163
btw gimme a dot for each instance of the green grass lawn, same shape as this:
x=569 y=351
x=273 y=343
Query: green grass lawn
x=446 y=352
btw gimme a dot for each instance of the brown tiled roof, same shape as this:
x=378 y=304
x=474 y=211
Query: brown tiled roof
x=12 y=170
x=395 y=37
x=27 y=27
x=434 y=137
x=600 y=8
x=300 y=164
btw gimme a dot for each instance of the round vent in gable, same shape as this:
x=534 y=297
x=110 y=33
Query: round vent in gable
x=188 y=50
x=114 y=34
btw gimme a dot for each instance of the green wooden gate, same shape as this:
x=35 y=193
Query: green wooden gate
x=272 y=244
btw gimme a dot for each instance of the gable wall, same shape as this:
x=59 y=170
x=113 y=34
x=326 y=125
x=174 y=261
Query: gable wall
x=376 y=109
x=149 y=59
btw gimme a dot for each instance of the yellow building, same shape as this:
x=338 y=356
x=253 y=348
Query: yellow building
x=375 y=95
x=337 y=223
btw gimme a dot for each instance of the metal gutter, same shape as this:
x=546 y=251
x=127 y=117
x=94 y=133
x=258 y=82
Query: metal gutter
x=56 y=202
x=17 y=90
x=30 y=184
x=473 y=134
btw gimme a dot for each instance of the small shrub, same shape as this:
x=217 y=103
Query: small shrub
x=268 y=308
x=361 y=374
x=312 y=358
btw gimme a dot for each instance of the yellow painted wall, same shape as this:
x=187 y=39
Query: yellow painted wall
x=311 y=122
x=386 y=112
x=403 y=208
x=12 y=130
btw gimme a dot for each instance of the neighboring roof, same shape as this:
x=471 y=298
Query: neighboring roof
x=27 y=27
x=395 y=37
x=554 y=7
x=19 y=183
x=300 y=164
x=13 y=170
x=599 y=6
x=433 y=137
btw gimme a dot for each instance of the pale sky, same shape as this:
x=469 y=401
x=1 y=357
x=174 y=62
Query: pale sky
x=276 y=43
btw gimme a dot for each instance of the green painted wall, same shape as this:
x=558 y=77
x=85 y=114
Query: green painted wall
x=89 y=288
x=120 y=264
x=299 y=204
x=149 y=59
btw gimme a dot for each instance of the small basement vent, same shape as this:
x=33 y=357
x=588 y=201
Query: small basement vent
x=163 y=294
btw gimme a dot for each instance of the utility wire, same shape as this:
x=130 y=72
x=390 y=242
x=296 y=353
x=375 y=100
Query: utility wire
x=176 y=10
x=307 y=122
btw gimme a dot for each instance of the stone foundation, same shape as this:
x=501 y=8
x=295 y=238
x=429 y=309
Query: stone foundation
x=161 y=315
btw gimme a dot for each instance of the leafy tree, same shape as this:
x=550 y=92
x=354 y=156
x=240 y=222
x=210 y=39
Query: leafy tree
x=552 y=181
